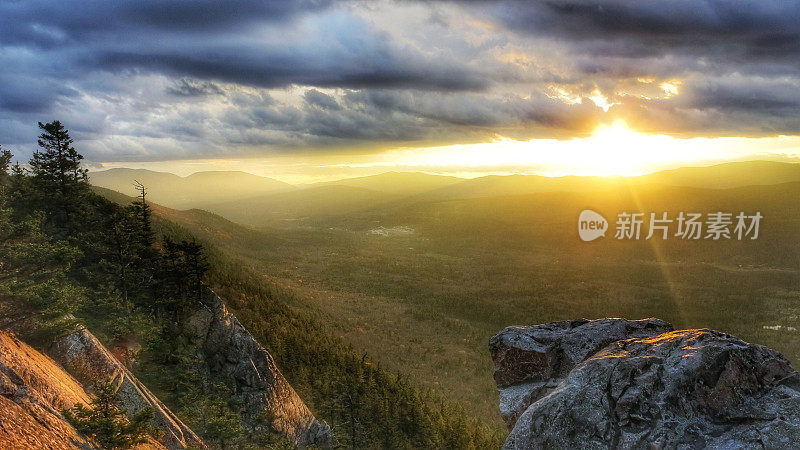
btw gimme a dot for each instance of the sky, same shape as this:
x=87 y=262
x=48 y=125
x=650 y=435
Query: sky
x=315 y=89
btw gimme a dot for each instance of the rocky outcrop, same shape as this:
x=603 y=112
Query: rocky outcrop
x=33 y=392
x=85 y=357
x=645 y=389
x=529 y=362
x=234 y=357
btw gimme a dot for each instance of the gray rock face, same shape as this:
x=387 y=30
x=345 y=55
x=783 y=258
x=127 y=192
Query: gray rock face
x=677 y=389
x=234 y=357
x=85 y=358
x=529 y=362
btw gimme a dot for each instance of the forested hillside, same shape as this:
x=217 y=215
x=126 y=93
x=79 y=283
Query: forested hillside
x=69 y=255
x=420 y=284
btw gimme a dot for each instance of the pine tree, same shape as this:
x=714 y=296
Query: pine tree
x=125 y=254
x=144 y=216
x=196 y=267
x=5 y=159
x=107 y=424
x=33 y=277
x=57 y=174
x=33 y=270
x=171 y=277
x=59 y=163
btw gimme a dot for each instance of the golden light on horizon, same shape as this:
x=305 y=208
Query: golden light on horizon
x=611 y=150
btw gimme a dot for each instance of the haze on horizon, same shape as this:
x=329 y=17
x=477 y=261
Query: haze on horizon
x=612 y=151
x=314 y=90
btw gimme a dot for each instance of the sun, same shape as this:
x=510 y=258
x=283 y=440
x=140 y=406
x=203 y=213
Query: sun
x=612 y=149
x=618 y=131
x=615 y=150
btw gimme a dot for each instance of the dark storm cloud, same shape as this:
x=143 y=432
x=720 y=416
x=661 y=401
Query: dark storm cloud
x=66 y=58
x=656 y=19
x=27 y=94
x=51 y=23
x=397 y=116
x=778 y=99
x=191 y=88
x=761 y=29
x=225 y=41
x=361 y=66
x=739 y=59
x=165 y=79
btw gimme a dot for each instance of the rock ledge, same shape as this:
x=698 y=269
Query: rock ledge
x=639 y=384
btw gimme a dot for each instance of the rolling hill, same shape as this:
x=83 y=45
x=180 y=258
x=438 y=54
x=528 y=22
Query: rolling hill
x=721 y=176
x=425 y=301
x=259 y=201
x=196 y=190
x=397 y=183
x=728 y=175
x=300 y=205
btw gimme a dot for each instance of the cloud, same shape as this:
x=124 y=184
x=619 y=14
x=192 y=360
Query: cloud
x=177 y=79
x=725 y=32
x=50 y=23
x=672 y=23
x=255 y=43
x=733 y=105
x=191 y=88
x=319 y=99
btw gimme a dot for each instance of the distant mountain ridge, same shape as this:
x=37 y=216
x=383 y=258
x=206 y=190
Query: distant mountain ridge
x=728 y=175
x=317 y=201
x=196 y=190
x=719 y=176
x=400 y=183
x=255 y=200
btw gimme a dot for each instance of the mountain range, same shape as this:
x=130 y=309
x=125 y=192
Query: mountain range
x=260 y=201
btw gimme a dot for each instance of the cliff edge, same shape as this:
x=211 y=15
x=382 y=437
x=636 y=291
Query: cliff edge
x=616 y=383
x=34 y=389
x=90 y=362
x=33 y=392
x=233 y=356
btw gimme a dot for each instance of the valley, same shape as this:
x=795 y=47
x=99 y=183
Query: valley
x=424 y=302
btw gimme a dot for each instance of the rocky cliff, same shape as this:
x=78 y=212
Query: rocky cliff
x=234 y=357
x=615 y=383
x=33 y=392
x=34 y=388
x=85 y=357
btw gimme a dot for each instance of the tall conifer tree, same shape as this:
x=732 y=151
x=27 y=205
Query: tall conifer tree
x=58 y=175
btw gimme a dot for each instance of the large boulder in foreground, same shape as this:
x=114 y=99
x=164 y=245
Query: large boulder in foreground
x=34 y=390
x=529 y=362
x=677 y=389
